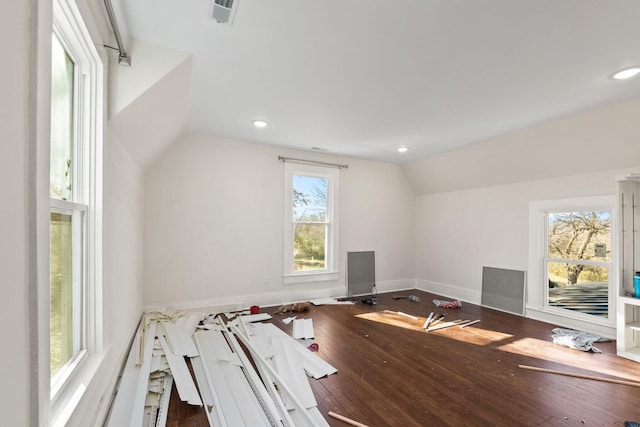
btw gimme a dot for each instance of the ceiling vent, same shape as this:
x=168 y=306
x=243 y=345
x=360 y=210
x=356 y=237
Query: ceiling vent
x=224 y=11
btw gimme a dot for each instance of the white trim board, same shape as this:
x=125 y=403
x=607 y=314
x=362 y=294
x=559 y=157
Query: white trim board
x=274 y=376
x=303 y=329
x=179 y=339
x=239 y=405
x=313 y=364
x=128 y=405
x=184 y=382
x=450 y=291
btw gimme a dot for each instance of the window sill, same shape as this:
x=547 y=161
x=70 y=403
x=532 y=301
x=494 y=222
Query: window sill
x=289 y=279
x=70 y=394
x=604 y=327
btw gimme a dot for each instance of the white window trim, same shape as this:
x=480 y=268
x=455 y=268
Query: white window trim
x=537 y=289
x=74 y=36
x=331 y=271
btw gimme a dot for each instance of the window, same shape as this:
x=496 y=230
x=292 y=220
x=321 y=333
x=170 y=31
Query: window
x=75 y=195
x=571 y=271
x=310 y=223
x=578 y=261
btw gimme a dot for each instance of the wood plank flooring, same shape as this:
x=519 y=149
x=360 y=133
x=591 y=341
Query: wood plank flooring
x=393 y=373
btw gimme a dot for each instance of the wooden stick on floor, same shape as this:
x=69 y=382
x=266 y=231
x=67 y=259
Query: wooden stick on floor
x=446 y=325
x=588 y=377
x=346 y=420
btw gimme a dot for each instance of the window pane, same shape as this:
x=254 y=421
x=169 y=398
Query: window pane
x=580 y=235
x=61 y=274
x=589 y=295
x=62 y=68
x=574 y=237
x=309 y=199
x=309 y=245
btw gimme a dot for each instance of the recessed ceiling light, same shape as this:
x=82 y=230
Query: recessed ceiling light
x=627 y=73
x=403 y=149
x=260 y=123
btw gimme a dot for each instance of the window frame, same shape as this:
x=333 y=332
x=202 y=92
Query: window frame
x=87 y=171
x=330 y=272
x=537 y=289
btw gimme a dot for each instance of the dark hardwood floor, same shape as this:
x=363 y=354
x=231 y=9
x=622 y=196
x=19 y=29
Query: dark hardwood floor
x=393 y=373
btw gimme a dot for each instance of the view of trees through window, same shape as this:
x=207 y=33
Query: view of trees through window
x=310 y=222
x=579 y=254
x=61 y=321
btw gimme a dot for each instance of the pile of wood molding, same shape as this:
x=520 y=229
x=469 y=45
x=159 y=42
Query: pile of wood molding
x=245 y=373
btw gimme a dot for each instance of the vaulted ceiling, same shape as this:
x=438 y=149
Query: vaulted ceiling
x=364 y=77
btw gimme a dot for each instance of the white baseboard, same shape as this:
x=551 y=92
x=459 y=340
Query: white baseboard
x=270 y=299
x=449 y=291
x=239 y=302
x=396 y=285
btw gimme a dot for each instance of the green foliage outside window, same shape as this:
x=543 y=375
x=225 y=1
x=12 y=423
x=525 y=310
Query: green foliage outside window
x=310 y=222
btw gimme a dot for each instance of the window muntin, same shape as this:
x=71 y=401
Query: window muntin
x=310 y=248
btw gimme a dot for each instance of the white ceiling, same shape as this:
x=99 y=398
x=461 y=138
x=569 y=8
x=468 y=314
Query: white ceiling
x=362 y=77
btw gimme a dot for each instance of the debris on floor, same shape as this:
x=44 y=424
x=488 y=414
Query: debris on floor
x=288 y=320
x=447 y=304
x=299 y=307
x=224 y=358
x=303 y=329
x=332 y=301
x=578 y=340
x=413 y=298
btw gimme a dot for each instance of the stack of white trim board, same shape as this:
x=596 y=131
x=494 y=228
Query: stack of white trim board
x=234 y=393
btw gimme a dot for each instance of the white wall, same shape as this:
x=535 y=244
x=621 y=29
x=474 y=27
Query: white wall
x=123 y=206
x=459 y=232
x=16 y=217
x=149 y=101
x=214 y=226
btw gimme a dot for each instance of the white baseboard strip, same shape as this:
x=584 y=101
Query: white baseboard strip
x=250 y=318
x=179 y=339
x=163 y=409
x=330 y=301
x=306 y=419
x=239 y=405
x=129 y=403
x=289 y=366
x=313 y=364
x=303 y=329
x=268 y=396
x=184 y=382
x=230 y=389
